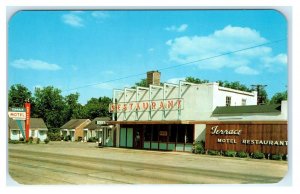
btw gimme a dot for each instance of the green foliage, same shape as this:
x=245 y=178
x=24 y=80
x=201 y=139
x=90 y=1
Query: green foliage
x=258 y=155
x=46 y=140
x=276 y=157
x=142 y=83
x=73 y=108
x=213 y=152
x=230 y=153
x=97 y=107
x=54 y=134
x=198 y=147
x=234 y=85
x=278 y=97
x=195 y=80
x=30 y=140
x=38 y=140
x=242 y=154
x=50 y=106
x=17 y=95
x=15 y=141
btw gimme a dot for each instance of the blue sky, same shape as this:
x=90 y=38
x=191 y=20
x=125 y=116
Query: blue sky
x=79 y=51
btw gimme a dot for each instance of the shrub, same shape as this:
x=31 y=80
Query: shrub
x=230 y=153
x=54 y=136
x=14 y=141
x=30 y=140
x=213 y=152
x=276 y=157
x=198 y=147
x=79 y=138
x=38 y=140
x=21 y=139
x=258 y=155
x=47 y=140
x=242 y=154
x=285 y=157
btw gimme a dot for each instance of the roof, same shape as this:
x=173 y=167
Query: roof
x=73 y=123
x=251 y=109
x=93 y=124
x=34 y=123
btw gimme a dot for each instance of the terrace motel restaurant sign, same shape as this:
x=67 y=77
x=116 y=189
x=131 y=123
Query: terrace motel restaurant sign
x=267 y=138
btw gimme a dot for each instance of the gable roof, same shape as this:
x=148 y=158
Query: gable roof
x=34 y=123
x=251 y=109
x=73 y=123
x=93 y=124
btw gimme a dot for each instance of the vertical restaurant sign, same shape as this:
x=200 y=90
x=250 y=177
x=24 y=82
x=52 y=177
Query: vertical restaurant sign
x=27 y=121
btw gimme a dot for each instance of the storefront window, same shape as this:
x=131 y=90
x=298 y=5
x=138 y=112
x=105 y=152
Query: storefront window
x=172 y=133
x=147 y=133
x=155 y=133
x=181 y=134
x=189 y=134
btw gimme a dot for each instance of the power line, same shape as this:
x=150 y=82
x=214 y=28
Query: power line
x=183 y=64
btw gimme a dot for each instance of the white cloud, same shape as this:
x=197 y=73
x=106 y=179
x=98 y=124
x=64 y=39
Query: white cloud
x=100 y=14
x=175 y=80
x=280 y=59
x=187 y=49
x=180 y=28
x=246 y=70
x=34 y=64
x=72 y=19
x=104 y=86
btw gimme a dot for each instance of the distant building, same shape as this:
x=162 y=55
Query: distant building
x=75 y=129
x=38 y=129
x=100 y=130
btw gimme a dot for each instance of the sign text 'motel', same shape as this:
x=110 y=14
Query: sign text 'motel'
x=170 y=104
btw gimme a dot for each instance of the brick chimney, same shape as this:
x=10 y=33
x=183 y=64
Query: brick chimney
x=153 y=78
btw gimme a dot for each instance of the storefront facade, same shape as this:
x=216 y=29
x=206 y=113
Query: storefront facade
x=173 y=116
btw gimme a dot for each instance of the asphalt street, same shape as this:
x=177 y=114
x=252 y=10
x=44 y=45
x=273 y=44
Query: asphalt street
x=61 y=163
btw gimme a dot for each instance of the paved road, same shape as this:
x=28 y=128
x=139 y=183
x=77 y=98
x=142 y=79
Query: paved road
x=84 y=163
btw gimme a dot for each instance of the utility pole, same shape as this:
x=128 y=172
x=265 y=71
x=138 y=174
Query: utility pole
x=260 y=99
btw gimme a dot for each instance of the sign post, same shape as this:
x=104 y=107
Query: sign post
x=27 y=121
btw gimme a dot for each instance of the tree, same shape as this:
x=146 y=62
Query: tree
x=142 y=83
x=50 y=106
x=234 y=85
x=97 y=107
x=278 y=97
x=17 y=95
x=73 y=108
x=195 y=80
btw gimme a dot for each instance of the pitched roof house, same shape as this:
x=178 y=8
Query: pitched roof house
x=38 y=129
x=76 y=129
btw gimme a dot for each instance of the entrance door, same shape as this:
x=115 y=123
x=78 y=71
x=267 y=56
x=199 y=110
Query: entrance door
x=163 y=137
x=138 y=138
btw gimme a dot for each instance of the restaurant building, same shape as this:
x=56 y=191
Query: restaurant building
x=167 y=116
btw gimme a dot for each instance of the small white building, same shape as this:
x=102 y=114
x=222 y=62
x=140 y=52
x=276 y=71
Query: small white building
x=38 y=129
